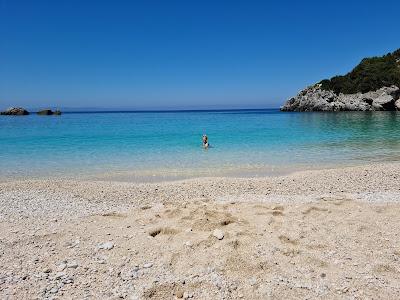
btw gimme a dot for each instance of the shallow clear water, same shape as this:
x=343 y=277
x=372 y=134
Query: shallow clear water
x=143 y=145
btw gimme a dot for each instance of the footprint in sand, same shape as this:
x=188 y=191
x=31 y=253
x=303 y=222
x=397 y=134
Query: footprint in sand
x=277 y=210
x=163 y=230
x=314 y=208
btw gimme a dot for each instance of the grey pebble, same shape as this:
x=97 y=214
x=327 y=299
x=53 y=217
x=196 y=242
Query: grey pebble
x=106 y=246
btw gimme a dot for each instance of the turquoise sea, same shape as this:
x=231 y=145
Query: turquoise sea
x=142 y=146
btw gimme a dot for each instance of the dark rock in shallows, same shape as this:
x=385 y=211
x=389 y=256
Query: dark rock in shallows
x=49 y=112
x=15 y=111
x=45 y=112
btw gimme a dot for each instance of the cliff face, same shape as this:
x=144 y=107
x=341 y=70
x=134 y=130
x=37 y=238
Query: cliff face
x=314 y=98
x=372 y=85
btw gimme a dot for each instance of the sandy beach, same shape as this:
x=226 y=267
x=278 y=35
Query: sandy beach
x=200 y=150
x=321 y=234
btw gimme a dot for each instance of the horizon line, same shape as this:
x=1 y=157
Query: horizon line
x=161 y=110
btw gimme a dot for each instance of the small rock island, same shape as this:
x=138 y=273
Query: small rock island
x=49 y=112
x=373 y=85
x=19 y=111
x=15 y=111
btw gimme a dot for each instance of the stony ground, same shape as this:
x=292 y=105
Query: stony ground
x=329 y=234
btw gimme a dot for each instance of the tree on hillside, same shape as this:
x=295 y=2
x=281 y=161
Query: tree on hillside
x=371 y=74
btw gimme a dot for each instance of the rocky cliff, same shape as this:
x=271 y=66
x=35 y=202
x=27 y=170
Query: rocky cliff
x=372 y=85
x=314 y=98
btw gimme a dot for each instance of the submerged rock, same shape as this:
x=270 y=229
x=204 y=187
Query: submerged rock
x=15 y=111
x=314 y=98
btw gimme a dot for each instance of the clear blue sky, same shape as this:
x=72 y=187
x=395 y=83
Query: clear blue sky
x=182 y=54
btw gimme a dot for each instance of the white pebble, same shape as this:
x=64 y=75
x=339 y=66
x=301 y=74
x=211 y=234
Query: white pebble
x=219 y=234
x=147 y=265
x=72 y=264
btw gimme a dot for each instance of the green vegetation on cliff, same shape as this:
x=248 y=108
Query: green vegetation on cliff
x=371 y=74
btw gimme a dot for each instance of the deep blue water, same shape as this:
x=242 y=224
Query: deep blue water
x=134 y=145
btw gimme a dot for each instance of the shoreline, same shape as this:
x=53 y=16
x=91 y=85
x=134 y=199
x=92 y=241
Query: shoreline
x=330 y=233
x=157 y=176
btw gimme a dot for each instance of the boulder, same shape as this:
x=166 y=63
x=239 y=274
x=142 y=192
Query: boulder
x=314 y=98
x=15 y=111
x=385 y=98
x=397 y=104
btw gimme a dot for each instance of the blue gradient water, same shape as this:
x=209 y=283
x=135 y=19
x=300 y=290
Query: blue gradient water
x=143 y=145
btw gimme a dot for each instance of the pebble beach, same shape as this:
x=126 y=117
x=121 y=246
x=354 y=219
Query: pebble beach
x=320 y=234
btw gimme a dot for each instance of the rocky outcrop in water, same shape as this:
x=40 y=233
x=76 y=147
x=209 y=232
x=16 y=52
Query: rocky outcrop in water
x=48 y=112
x=45 y=112
x=15 y=111
x=314 y=98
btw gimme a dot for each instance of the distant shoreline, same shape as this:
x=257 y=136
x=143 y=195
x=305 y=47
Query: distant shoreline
x=255 y=110
x=66 y=111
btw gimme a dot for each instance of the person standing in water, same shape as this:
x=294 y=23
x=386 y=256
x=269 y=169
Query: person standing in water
x=205 y=141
